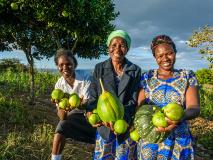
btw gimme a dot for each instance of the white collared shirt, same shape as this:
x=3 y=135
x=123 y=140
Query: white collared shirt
x=81 y=85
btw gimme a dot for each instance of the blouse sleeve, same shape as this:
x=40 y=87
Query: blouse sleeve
x=192 y=78
x=143 y=80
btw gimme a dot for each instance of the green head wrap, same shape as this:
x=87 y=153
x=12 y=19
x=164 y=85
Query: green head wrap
x=119 y=33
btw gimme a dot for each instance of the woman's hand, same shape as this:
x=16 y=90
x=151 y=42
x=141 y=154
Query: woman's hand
x=109 y=125
x=83 y=103
x=62 y=114
x=88 y=114
x=170 y=127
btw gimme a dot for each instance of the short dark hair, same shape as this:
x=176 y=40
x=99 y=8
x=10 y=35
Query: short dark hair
x=160 y=39
x=62 y=52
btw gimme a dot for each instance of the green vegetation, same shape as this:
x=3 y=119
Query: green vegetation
x=205 y=79
x=203 y=39
x=205 y=76
x=24 y=133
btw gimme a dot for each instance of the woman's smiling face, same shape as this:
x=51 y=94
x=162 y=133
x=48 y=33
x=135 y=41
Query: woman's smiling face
x=165 y=56
x=118 y=49
x=66 y=66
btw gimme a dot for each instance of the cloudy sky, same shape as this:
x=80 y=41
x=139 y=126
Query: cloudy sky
x=144 y=19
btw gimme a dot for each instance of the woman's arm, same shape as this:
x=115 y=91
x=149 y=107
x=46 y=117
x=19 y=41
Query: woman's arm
x=141 y=98
x=192 y=103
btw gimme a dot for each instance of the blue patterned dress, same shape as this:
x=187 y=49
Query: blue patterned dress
x=179 y=144
x=111 y=150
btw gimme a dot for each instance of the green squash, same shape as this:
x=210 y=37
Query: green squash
x=144 y=125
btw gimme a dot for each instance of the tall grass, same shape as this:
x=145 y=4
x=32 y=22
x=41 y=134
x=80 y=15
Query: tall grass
x=19 y=82
x=25 y=145
x=21 y=136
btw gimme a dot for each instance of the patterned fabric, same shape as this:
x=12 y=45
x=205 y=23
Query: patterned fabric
x=111 y=150
x=179 y=144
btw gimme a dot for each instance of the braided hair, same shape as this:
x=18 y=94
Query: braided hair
x=162 y=39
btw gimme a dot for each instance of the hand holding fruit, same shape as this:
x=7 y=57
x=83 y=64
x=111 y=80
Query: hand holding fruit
x=65 y=101
x=93 y=118
x=62 y=114
x=167 y=120
x=170 y=126
x=120 y=126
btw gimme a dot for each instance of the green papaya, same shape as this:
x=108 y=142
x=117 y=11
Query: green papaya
x=109 y=107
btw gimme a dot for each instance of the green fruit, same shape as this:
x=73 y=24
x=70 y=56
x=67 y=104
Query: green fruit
x=64 y=103
x=143 y=124
x=14 y=6
x=65 y=14
x=120 y=126
x=74 y=100
x=173 y=111
x=134 y=135
x=94 y=119
x=95 y=111
x=159 y=120
x=109 y=107
x=57 y=94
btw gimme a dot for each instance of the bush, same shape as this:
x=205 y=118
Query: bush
x=204 y=76
x=12 y=64
x=205 y=80
x=13 y=112
x=206 y=102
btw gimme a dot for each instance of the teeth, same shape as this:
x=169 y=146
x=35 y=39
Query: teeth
x=116 y=55
x=166 y=64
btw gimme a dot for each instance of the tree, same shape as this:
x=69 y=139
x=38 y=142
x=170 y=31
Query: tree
x=39 y=28
x=203 y=38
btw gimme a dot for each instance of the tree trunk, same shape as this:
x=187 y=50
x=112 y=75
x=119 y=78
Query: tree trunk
x=31 y=75
x=74 y=46
x=32 y=82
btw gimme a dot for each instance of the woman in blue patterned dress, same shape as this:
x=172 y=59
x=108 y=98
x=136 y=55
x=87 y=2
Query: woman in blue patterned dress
x=166 y=85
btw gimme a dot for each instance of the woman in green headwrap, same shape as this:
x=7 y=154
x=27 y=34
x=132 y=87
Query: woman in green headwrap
x=121 y=78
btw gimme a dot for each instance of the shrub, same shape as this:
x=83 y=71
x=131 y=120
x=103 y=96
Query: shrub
x=204 y=76
x=12 y=111
x=206 y=102
x=205 y=80
x=12 y=64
